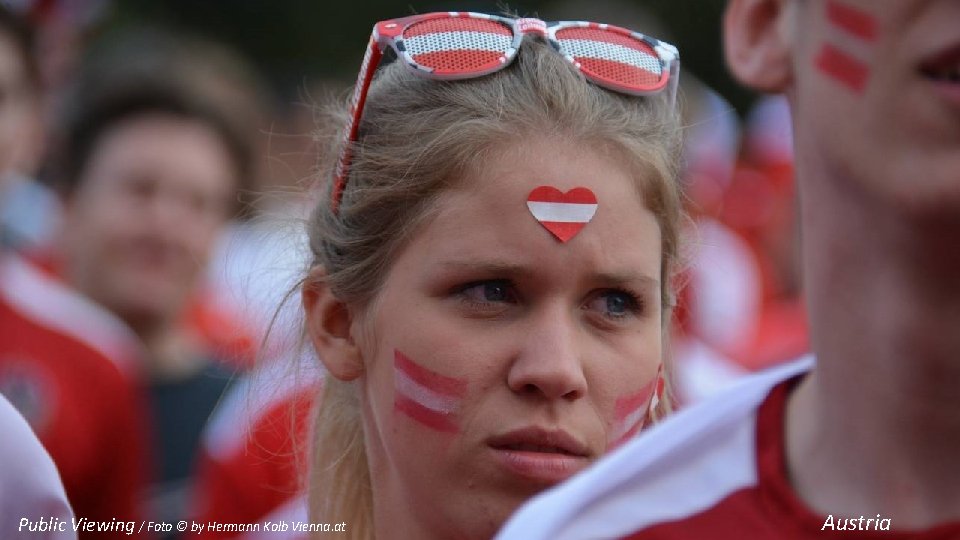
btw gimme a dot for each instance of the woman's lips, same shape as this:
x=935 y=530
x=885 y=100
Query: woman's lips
x=542 y=455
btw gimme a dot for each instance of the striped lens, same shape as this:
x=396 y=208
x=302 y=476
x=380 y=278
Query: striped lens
x=613 y=58
x=457 y=45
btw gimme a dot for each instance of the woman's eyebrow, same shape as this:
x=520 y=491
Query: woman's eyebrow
x=634 y=279
x=485 y=266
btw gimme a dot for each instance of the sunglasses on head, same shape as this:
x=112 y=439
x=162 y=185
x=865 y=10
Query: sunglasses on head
x=463 y=45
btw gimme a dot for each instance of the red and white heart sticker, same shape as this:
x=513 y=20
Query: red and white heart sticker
x=563 y=214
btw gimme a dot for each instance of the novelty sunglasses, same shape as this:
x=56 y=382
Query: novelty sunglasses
x=462 y=45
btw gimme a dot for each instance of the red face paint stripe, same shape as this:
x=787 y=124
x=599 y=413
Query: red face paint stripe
x=843 y=67
x=629 y=404
x=852 y=20
x=432 y=419
x=440 y=384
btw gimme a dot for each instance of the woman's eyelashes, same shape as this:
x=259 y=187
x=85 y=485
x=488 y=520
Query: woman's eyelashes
x=495 y=295
x=492 y=294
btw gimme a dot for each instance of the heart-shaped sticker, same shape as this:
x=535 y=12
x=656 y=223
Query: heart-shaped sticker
x=563 y=214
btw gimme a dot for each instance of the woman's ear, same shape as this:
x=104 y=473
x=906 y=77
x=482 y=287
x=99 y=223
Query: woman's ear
x=329 y=323
x=757 y=43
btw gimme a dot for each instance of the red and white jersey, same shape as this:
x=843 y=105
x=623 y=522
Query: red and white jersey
x=252 y=461
x=30 y=486
x=716 y=470
x=69 y=367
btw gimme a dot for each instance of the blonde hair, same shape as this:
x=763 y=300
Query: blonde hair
x=417 y=138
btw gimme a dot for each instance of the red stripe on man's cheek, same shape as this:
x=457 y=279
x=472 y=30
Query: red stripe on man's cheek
x=429 y=418
x=842 y=67
x=857 y=22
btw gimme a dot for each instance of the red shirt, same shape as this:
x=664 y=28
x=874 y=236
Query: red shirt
x=254 y=455
x=65 y=364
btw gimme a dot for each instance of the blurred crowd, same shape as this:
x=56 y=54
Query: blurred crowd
x=151 y=195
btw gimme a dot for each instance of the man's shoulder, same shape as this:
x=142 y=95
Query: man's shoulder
x=678 y=468
x=65 y=318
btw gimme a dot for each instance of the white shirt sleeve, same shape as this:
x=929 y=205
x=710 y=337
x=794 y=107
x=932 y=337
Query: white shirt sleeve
x=31 y=492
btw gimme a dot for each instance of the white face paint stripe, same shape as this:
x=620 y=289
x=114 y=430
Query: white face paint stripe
x=423 y=395
x=562 y=212
x=457 y=41
x=587 y=48
x=628 y=423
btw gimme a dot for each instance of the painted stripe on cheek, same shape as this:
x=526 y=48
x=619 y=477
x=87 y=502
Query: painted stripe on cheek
x=439 y=421
x=630 y=413
x=440 y=384
x=425 y=396
x=842 y=67
x=852 y=20
x=845 y=56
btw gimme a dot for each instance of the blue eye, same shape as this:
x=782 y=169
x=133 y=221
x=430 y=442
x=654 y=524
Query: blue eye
x=615 y=304
x=494 y=291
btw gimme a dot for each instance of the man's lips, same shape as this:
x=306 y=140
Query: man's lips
x=943 y=65
x=544 y=456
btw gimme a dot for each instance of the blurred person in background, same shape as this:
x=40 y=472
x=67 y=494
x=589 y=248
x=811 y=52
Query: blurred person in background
x=30 y=210
x=155 y=151
x=251 y=463
x=760 y=205
x=862 y=437
x=30 y=484
x=740 y=309
x=719 y=302
x=21 y=125
x=64 y=361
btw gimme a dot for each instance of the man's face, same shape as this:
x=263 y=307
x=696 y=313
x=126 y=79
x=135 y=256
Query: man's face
x=876 y=93
x=19 y=114
x=140 y=227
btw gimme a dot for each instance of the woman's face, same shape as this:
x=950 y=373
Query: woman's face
x=499 y=360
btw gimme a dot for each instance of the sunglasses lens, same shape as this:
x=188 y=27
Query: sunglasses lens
x=613 y=58
x=457 y=45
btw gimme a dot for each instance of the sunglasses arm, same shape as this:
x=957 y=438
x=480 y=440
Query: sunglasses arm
x=371 y=59
x=672 y=55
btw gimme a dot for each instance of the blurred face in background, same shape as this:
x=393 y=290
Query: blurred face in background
x=20 y=124
x=140 y=226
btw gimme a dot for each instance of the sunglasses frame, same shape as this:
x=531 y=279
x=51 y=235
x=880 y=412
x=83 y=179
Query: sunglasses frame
x=389 y=33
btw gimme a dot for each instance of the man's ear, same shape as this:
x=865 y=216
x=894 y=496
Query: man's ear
x=329 y=323
x=756 y=38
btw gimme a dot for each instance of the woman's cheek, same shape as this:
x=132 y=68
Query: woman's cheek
x=631 y=413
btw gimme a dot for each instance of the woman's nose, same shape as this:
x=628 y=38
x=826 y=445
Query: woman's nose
x=550 y=363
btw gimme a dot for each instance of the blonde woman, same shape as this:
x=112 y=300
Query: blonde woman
x=490 y=289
